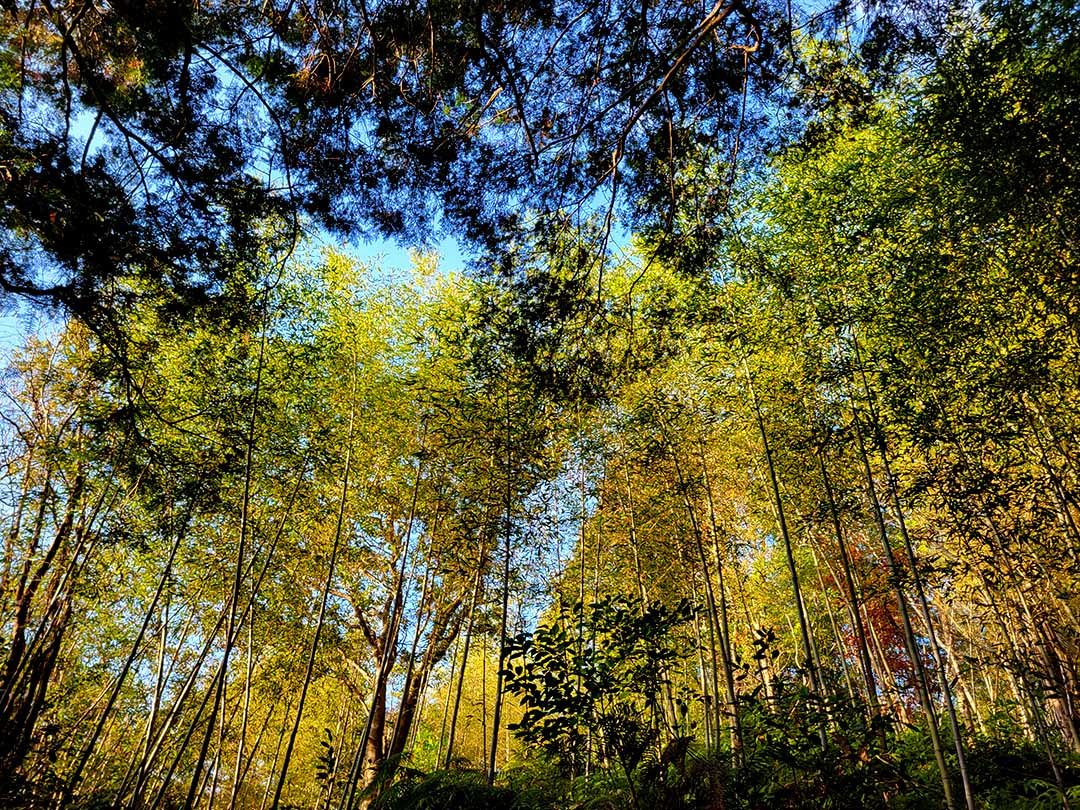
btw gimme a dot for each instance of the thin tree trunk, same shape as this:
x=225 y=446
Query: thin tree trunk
x=849 y=582
x=338 y=529
x=707 y=696
x=841 y=651
x=76 y=775
x=241 y=740
x=241 y=554
x=630 y=511
x=446 y=702
x=507 y=532
x=920 y=589
x=800 y=607
x=372 y=747
x=724 y=627
x=905 y=617
x=477 y=578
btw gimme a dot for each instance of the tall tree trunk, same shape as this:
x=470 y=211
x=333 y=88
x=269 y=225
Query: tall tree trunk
x=917 y=581
x=781 y=519
x=385 y=655
x=446 y=627
x=447 y=702
x=849 y=581
x=473 y=601
x=76 y=774
x=241 y=556
x=708 y=695
x=724 y=624
x=44 y=580
x=838 y=640
x=897 y=579
x=505 y=608
x=328 y=584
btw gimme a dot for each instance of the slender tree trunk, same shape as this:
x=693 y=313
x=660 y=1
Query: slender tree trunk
x=447 y=701
x=751 y=625
x=178 y=703
x=583 y=547
x=778 y=504
x=631 y=513
x=155 y=706
x=483 y=700
x=338 y=531
x=838 y=640
x=477 y=579
x=270 y=783
x=386 y=654
x=241 y=555
x=507 y=533
x=920 y=589
x=707 y=695
x=724 y=627
x=849 y=582
x=242 y=739
x=76 y=775
x=446 y=626
x=905 y=618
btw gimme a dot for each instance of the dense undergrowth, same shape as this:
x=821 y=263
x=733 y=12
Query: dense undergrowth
x=796 y=752
x=782 y=767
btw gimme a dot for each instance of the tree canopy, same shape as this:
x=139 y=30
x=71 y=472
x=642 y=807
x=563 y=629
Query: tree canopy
x=168 y=144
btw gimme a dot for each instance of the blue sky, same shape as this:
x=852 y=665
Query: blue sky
x=391 y=256
x=19 y=318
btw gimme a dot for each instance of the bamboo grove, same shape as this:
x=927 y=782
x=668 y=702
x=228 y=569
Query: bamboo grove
x=785 y=517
